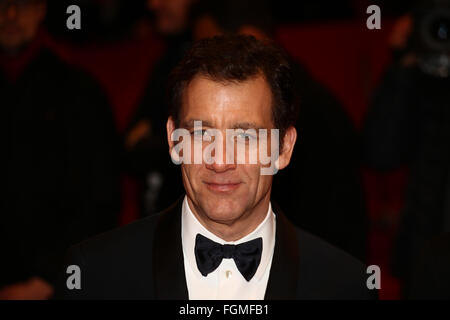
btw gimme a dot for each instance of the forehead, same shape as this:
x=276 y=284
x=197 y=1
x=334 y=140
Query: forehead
x=225 y=104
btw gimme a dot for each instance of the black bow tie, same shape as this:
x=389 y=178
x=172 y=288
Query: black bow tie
x=209 y=255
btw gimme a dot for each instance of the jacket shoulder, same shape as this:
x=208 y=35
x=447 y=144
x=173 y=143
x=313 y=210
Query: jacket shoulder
x=327 y=272
x=113 y=265
x=136 y=235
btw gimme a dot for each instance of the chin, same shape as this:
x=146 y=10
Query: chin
x=223 y=210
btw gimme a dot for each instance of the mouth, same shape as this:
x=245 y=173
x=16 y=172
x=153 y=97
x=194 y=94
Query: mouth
x=222 y=187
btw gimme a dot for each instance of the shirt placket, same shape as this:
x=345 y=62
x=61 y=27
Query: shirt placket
x=227 y=278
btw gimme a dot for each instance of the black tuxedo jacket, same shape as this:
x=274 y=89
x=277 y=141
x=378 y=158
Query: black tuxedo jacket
x=144 y=260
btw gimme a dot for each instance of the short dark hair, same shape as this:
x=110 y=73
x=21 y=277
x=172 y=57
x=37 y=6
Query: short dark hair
x=237 y=58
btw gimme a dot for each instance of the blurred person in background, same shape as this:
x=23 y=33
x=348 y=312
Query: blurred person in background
x=102 y=21
x=324 y=184
x=59 y=155
x=145 y=140
x=408 y=125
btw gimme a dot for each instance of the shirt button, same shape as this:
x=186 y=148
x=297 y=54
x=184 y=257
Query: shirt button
x=228 y=274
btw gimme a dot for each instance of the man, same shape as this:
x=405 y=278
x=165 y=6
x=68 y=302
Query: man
x=324 y=169
x=224 y=239
x=57 y=170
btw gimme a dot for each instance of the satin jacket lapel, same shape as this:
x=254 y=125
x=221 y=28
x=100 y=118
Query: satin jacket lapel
x=283 y=279
x=168 y=267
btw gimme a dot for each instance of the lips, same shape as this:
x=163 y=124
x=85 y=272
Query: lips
x=222 y=187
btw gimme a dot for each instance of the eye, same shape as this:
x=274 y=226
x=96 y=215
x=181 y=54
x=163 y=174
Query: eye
x=199 y=133
x=245 y=135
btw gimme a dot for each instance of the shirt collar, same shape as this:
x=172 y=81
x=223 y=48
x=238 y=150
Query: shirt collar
x=190 y=227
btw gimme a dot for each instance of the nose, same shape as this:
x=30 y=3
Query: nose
x=219 y=163
x=219 y=168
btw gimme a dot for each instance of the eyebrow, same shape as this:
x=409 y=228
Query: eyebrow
x=188 y=124
x=247 y=125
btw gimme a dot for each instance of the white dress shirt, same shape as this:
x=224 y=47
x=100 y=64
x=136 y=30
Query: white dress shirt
x=226 y=282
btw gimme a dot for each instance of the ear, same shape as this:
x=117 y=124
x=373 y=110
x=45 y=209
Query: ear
x=289 y=139
x=170 y=127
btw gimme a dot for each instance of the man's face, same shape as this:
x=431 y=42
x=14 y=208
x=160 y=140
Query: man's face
x=171 y=15
x=224 y=193
x=19 y=22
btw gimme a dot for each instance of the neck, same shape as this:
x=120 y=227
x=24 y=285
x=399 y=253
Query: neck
x=234 y=230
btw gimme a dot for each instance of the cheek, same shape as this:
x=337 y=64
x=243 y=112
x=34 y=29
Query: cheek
x=251 y=174
x=259 y=184
x=191 y=173
x=265 y=182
